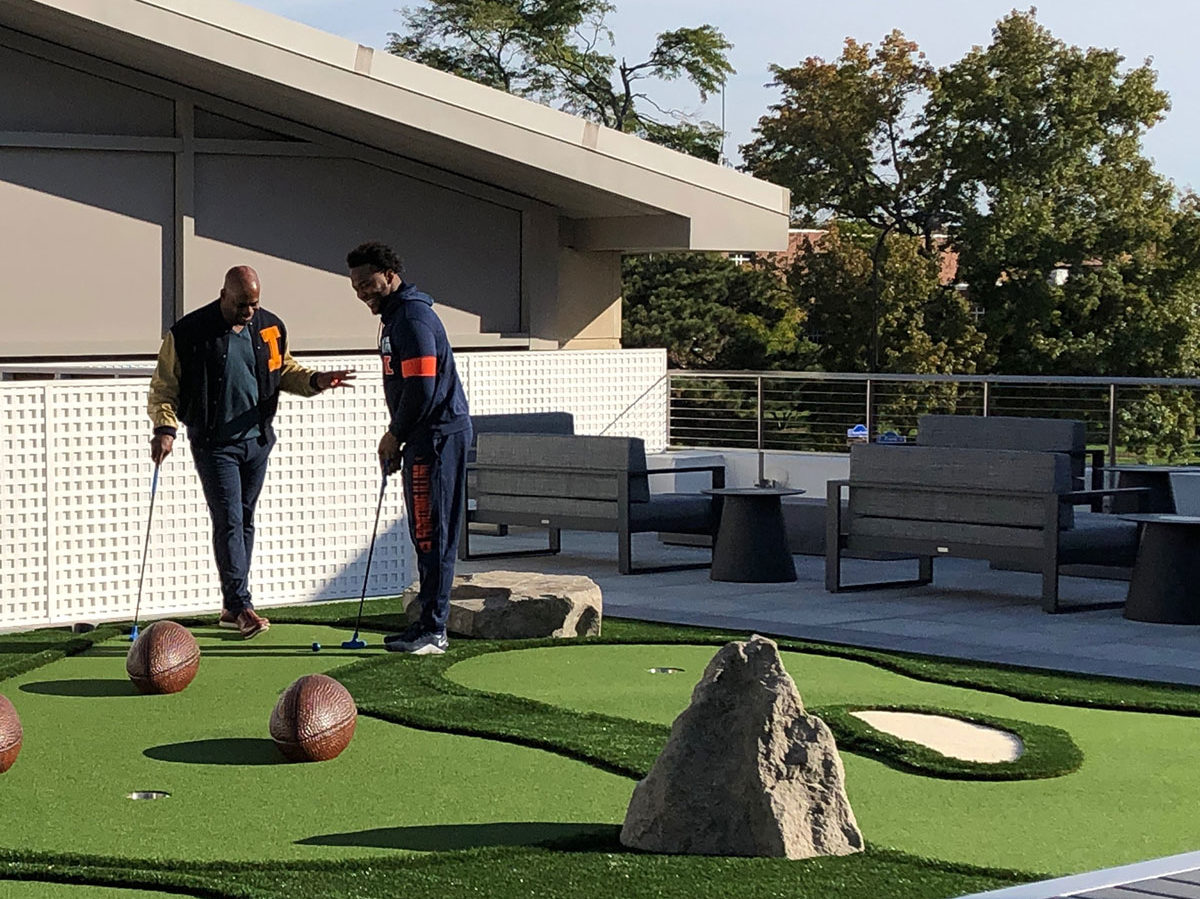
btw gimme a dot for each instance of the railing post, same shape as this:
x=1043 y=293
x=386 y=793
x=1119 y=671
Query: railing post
x=987 y=397
x=758 y=383
x=669 y=441
x=870 y=416
x=1112 y=433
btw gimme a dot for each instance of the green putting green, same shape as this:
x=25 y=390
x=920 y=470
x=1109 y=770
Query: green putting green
x=547 y=720
x=90 y=740
x=1132 y=799
x=29 y=889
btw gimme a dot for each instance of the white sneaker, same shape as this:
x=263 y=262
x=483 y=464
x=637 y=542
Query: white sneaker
x=427 y=644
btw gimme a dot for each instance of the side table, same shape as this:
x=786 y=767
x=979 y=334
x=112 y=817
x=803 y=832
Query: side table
x=1165 y=585
x=752 y=544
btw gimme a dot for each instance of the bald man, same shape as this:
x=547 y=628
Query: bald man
x=220 y=370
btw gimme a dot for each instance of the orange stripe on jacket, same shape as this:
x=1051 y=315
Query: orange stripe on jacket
x=420 y=367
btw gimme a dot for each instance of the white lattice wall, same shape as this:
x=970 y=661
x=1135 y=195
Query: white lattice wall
x=24 y=567
x=615 y=392
x=75 y=480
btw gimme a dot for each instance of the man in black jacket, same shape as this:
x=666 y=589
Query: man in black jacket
x=220 y=370
x=429 y=432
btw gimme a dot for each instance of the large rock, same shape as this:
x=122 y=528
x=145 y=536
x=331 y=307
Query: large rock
x=511 y=605
x=746 y=771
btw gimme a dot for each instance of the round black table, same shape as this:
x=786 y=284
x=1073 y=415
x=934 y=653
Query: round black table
x=1156 y=478
x=1165 y=586
x=752 y=544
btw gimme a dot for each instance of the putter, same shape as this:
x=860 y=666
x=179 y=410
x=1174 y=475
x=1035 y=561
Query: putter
x=133 y=634
x=355 y=642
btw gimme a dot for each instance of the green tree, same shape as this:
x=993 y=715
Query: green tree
x=923 y=327
x=844 y=140
x=562 y=53
x=710 y=312
x=1069 y=239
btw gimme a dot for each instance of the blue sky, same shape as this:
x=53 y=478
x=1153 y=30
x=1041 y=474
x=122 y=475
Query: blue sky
x=775 y=31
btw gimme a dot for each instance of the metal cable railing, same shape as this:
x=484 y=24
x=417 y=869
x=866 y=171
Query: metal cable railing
x=1134 y=419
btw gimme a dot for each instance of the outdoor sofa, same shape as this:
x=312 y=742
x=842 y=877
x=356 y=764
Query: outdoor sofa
x=581 y=482
x=1014 y=507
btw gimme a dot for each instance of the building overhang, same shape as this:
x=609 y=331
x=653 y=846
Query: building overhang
x=612 y=191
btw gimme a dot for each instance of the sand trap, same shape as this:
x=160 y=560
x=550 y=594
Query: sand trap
x=949 y=736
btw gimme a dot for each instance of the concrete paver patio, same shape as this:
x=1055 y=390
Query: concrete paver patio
x=970 y=611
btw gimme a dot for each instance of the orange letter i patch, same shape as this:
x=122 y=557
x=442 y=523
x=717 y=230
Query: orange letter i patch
x=270 y=337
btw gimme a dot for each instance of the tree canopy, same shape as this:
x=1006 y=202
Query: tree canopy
x=561 y=52
x=921 y=325
x=841 y=138
x=711 y=312
x=1026 y=155
x=1063 y=227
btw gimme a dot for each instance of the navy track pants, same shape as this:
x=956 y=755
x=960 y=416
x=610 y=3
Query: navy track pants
x=435 y=478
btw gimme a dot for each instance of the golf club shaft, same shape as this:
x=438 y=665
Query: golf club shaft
x=146 y=545
x=370 y=553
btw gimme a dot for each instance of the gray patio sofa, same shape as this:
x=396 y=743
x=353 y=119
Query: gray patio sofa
x=510 y=423
x=1007 y=506
x=581 y=482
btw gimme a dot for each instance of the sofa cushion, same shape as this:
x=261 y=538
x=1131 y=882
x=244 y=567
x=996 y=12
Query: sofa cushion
x=1099 y=539
x=520 y=423
x=953 y=484
x=681 y=513
x=1055 y=435
x=1011 y=432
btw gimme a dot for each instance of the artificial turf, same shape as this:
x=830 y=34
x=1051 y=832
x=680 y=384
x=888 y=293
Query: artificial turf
x=91 y=740
x=1136 y=788
x=583 y=857
x=29 y=889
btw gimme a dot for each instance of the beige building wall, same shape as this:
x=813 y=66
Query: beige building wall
x=137 y=194
x=293 y=219
x=85 y=250
x=589 y=300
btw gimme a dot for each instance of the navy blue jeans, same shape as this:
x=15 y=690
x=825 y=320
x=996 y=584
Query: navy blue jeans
x=232 y=475
x=435 y=478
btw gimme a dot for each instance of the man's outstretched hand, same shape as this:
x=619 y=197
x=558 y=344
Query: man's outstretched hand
x=342 y=378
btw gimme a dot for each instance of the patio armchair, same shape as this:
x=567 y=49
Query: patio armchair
x=581 y=482
x=509 y=423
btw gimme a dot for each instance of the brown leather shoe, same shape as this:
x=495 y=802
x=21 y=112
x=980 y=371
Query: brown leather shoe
x=228 y=620
x=251 y=624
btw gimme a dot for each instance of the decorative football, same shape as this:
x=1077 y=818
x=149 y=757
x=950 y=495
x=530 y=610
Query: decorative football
x=314 y=719
x=10 y=734
x=163 y=659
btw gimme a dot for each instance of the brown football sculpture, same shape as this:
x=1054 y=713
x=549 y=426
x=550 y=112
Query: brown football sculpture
x=314 y=719
x=163 y=659
x=10 y=734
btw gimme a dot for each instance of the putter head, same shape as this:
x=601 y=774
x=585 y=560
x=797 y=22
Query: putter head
x=133 y=634
x=354 y=643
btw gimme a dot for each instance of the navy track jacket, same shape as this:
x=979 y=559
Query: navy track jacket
x=420 y=381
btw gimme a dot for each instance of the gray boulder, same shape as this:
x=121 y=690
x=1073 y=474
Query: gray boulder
x=512 y=605
x=746 y=771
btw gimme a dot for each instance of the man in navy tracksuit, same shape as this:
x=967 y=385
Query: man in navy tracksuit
x=429 y=432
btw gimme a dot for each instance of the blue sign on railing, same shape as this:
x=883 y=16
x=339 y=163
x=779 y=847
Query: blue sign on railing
x=891 y=437
x=858 y=434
